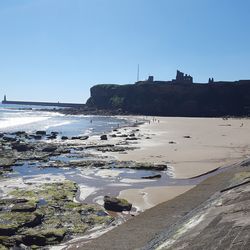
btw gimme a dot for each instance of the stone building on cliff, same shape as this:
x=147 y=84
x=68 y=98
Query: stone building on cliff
x=182 y=78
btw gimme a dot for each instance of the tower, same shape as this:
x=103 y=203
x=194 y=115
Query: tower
x=5 y=99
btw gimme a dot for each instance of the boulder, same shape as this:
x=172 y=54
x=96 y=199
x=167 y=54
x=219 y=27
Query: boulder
x=19 y=133
x=51 y=137
x=43 y=237
x=156 y=176
x=49 y=149
x=117 y=205
x=21 y=147
x=36 y=137
x=64 y=138
x=104 y=137
x=41 y=132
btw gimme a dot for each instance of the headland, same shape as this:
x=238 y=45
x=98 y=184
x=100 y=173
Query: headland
x=177 y=97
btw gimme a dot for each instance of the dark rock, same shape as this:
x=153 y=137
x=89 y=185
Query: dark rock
x=84 y=137
x=51 y=137
x=44 y=237
x=21 y=147
x=54 y=133
x=187 y=136
x=7 y=229
x=172 y=142
x=104 y=137
x=123 y=135
x=36 y=137
x=160 y=167
x=131 y=139
x=156 y=176
x=117 y=205
x=13 y=201
x=132 y=135
x=76 y=138
x=33 y=220
x=41 y=132
x=64 y=138
x=49 y=149
x=24 y=207
x=9 y=139
x=19 y=133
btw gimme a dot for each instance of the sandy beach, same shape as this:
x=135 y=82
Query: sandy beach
x=190 y=147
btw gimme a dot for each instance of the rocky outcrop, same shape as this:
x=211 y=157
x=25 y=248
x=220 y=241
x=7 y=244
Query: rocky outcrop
x=117 y=205
x=43 y=237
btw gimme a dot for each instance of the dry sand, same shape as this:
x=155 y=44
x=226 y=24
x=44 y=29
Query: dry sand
x=198 y=146
x=214 y=142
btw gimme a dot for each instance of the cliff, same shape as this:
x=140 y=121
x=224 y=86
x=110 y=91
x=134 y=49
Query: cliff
x=168 y=99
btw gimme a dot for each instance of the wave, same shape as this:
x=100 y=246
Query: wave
x=58 y=124
x=17 y=121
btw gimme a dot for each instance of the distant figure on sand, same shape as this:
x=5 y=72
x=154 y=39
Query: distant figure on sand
x=242 y=124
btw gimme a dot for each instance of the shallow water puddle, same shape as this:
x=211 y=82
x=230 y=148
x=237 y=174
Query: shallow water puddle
x=94 y=183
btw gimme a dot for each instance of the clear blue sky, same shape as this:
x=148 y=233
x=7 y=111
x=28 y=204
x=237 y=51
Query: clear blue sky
x=55 y=50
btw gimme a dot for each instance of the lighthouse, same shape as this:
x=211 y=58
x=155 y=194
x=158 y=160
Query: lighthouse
x=4 y=99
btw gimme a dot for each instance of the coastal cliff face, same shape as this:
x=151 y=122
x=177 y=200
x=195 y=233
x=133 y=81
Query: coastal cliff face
x=166 y=99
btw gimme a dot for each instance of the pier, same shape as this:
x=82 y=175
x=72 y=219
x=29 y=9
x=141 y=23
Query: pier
x=52 y=104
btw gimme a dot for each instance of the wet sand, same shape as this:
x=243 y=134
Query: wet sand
x=146 y=198
x=190 y=146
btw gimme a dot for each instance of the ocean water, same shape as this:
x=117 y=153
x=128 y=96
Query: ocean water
x=30 y=118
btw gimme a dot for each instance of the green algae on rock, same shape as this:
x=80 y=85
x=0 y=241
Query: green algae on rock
x=46 y=215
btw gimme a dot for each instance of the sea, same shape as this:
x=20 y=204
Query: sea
x=31 y=118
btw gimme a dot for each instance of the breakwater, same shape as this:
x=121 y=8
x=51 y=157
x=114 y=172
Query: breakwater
x=55 y=104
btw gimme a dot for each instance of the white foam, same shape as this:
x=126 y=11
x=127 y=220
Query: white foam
x=108 y=173
x=44 y=178
x=86 y=191
x=119 y=185
x=127 y=180
x=17 y=121
x=58 y=124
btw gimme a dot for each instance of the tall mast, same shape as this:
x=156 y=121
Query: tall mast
x=138 y=72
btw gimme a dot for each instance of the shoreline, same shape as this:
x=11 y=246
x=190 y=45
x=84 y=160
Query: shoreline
x=135 y=147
